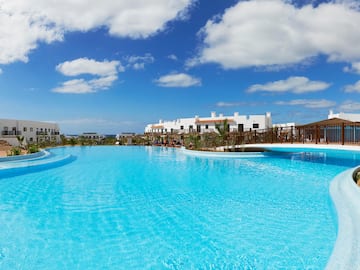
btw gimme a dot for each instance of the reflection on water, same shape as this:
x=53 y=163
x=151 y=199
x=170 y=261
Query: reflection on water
x=344 y=158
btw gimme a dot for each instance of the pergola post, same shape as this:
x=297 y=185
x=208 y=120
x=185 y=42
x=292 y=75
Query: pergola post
x=334 y=130
x=303 y=134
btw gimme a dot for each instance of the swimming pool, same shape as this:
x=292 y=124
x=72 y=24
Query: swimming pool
x=159 y=208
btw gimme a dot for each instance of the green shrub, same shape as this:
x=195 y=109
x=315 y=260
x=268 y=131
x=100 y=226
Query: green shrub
x=73 y=141
x=15 y=151
x=33 y=149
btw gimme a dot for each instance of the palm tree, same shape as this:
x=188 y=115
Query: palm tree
x=223 y=130
x=20 y=140
x=73 y=141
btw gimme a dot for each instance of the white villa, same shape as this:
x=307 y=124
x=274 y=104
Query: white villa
x=235 y=122
x=32 y=131
x=354 y=117
x=92 y=136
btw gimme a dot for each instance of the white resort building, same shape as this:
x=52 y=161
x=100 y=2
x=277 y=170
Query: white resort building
x=353 y=117
x=31 y=131
x=92 y=136
x=198 y=124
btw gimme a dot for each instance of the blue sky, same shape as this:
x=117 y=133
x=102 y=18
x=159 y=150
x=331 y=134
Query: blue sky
x=115 y=66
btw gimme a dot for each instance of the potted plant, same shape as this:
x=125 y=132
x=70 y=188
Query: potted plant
x=356 y=176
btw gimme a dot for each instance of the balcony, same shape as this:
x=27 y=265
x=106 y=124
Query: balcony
x=47 y=133
x=10 y=133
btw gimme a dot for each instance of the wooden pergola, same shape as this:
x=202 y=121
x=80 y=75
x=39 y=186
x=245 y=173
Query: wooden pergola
x=333 y=130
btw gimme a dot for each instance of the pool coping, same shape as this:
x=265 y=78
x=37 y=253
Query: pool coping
x=344 y=193
x=221 y=154
x=298 y=145
x=14 y=165
x=346 y=197
x=24 y=157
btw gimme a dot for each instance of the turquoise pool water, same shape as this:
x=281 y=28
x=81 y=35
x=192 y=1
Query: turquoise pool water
x=157 y=208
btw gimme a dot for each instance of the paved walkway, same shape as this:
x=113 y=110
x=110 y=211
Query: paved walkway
x=3 y=150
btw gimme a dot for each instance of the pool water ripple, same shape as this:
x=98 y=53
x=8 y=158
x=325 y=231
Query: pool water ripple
x=156 y=208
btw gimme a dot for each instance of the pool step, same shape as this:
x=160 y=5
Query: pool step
x=34 y=163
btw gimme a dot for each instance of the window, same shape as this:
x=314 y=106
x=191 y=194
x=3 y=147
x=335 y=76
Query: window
x=206 y=126
x=31 y=129
x=24 y=129
x=198 y=128
x=181 y=127
x=190 y=127
x=241 y=127
x=255 y=125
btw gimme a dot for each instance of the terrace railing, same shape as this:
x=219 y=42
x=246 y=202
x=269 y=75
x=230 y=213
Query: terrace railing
x=10 y=133
x=318 y=134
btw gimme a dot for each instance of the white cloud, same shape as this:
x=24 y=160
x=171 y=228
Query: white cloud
x=236 y=104
x=349 y=106
x=353 y=88
x=139 y=62
x=354 y=68
x=265 y=33
x=229 y=104
x=103 y=82
x=138 y=66
x=23 y=24
x=82 y=86
x=173 y=57
x=88 y=66
x=20 y=31
x=121 y=68
x=77 y=86
x=296 y=85
x=178 y=80
x=105 y=71
x=308 y=103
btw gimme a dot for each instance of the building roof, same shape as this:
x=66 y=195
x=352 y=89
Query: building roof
x=211 y=121
x=329 y=122
x=157 y=126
